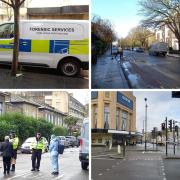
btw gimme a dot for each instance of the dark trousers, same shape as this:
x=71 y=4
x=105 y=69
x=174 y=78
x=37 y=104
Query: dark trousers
x=7 y=164
x=120 y=55
x=36 y=159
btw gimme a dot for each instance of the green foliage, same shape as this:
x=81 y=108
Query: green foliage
x=71 y=122
x=24 y=126
x=60 y=131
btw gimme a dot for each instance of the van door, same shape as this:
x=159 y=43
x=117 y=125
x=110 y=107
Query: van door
x=6 y=42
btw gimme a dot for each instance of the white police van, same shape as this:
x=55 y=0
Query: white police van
x=59 y=44
x=84 y=145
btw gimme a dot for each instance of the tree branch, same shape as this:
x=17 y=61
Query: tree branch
x=21 y=2
x=4 y=1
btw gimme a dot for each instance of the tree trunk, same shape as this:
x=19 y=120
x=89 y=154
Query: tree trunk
x=16 y=42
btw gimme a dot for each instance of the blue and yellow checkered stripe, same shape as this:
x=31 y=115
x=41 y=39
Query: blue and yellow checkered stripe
x=49 y=46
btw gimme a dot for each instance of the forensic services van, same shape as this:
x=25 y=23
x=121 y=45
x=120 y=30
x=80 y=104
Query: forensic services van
x=59 y=44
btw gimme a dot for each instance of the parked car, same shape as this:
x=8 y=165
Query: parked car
x=84 y=145
x=72 y=141
x=64 y=141
x=26 y=147
x=159 y=48
x=139 y=49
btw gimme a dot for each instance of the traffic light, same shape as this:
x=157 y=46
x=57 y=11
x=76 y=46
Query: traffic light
x=170 y=125
x=163 y=126
x=175 y=94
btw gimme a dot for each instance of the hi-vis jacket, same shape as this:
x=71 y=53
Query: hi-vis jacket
x=38 y=144
x=15 y=142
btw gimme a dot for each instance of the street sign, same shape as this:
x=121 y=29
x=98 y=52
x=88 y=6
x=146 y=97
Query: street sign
x=175 y=94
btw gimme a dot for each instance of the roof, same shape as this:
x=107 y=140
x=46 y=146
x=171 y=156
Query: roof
x=18 y=99
x=49 y=108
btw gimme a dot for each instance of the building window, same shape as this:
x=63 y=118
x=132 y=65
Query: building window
x=95 y=116
x=1 y=108
x=117 y=119
x=124 y=119
x=106 y=116
x=107 y=94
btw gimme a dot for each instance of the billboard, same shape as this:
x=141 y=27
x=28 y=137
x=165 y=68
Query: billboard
x=124 y=100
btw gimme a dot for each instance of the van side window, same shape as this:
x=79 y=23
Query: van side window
x=6 y=31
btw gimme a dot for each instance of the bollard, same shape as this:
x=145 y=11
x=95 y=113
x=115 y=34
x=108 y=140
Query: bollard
x=119 y=149
x=110 y=145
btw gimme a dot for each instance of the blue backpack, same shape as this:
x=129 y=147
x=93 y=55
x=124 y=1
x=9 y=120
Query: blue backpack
x=60 y=148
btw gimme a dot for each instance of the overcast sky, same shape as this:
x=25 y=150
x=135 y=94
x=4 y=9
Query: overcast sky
x=81 y=95
x=160 y=105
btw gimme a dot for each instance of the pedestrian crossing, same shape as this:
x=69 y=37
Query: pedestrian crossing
x=151 y=158
x=36 y=175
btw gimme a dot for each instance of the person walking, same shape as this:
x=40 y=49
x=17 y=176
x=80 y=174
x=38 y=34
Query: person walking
x=120 y=52
x=7 y=153
x=38 y=146
x=54 y=153
x=15 y=141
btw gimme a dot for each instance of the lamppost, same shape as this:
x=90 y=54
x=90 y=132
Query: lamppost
x=145 y=99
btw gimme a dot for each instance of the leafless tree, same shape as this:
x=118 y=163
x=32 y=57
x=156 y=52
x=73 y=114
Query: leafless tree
x=15 y=5
x=158 y=13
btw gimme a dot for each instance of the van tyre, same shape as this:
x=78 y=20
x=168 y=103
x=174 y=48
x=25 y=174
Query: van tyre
x=70 y=68
x=84 y=165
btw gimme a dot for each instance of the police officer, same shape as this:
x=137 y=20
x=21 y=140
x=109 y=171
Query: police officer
x=15 y=141
x=38 y=147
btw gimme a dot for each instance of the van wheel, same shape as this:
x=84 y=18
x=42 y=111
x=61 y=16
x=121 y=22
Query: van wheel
x=70 y=68
x=84 y=165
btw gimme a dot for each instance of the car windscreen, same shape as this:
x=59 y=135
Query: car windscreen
x=85 y=131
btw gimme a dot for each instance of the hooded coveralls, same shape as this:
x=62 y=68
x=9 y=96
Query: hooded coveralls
x=53 y=148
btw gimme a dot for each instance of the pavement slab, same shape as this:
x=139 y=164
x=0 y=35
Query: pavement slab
x=108 y=74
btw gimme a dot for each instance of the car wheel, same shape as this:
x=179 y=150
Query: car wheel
x=70 y=68
x=84 y=165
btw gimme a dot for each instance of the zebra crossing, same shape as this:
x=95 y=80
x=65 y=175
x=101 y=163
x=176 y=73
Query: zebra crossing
x=150 y=158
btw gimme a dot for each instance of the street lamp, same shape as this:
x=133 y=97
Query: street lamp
x=145 y=99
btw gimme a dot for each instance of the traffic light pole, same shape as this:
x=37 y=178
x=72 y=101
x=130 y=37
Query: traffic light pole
x=174 y=137
x=166 y=137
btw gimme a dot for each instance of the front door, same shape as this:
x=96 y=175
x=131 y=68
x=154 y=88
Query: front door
x=6 y=42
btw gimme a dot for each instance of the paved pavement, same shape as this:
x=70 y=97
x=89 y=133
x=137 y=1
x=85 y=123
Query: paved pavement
x=108 y=74
x=70 y=167
x=136 y=165
x=36 y=78
x=144 y=71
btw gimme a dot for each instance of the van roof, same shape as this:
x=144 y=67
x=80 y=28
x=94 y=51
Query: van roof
x=48 y=20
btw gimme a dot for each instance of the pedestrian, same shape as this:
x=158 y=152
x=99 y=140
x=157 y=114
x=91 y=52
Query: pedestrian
x=38 y=146
x=119 y=52
x=6 y=148
x=54 y=154
x=15 y=141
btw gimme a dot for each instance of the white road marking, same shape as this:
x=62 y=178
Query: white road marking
x=60 y=176
x=21 y=175
x=100 y=174
x=104 y=159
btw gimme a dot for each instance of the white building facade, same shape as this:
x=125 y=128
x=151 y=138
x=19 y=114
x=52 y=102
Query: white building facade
x=164 y=34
